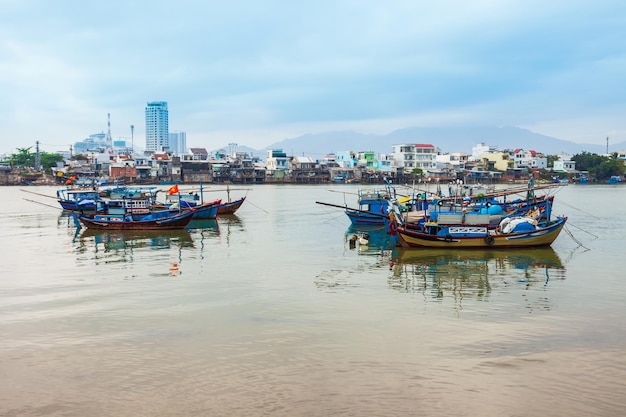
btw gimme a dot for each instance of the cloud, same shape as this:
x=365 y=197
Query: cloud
x=253 y=72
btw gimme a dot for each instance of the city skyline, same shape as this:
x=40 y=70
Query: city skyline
x=259 y=73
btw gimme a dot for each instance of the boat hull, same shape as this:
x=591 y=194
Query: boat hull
x=230 y=207
x=207 y=210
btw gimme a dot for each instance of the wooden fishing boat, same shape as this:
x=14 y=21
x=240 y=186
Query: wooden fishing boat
x=230 y=207
x=76 y=200
x=372 y=206
x=195 y=200
x=517 y=232
x=157 y=220
x=207 y=210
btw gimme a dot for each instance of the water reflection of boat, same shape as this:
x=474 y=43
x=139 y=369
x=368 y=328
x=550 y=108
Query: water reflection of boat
x=112 y=240
x=370 y=239
x=520 y=258
x=203 y=224
x=472 y=272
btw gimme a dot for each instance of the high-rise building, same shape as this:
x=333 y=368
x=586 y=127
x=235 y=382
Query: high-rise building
x=178 y=142
x=157 y=127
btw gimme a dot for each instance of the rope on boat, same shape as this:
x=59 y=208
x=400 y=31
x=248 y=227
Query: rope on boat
x=574 y=239
x=39 y=194
x=250 y=202
x=333 y=219
x=576 y=208
x=43 y=204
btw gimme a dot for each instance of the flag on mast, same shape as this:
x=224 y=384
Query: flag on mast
x=173 y=189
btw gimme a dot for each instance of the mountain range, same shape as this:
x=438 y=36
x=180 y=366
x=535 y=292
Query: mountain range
x=452 y=139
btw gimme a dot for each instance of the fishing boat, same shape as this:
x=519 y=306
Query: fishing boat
x=473 y=231
x=77 y=200
x=372 y=206
x=156 y=220
x=206 y=210
x=195 y=200
x=230 y=207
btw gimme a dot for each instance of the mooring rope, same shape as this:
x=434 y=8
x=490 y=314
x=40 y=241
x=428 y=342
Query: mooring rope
x=583 y=230
x=576 y=208
x=574 y=239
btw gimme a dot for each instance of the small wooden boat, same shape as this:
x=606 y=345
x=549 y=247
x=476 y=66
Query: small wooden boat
x=230 y=207
x=207 y=210
x=195 y=200
x=77 y=200
x=156 y=220
x=517 y=232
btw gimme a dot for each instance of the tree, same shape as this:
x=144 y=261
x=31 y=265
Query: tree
x=599 y=166
x=49 y=160
x=417 y=172
x=551 y=159
x=609 y=168
x=587 y=161
x=25 y=158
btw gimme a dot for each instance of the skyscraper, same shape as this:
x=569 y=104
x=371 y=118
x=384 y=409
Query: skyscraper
x=178 y=142
x=157 y=126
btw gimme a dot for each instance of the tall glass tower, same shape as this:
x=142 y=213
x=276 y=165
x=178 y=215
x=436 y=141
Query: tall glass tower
x=178 y=142
x=157 y=127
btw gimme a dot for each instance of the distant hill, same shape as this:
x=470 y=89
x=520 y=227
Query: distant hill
x=455 y=139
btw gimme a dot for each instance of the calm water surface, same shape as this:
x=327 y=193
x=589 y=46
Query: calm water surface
x=271 y=313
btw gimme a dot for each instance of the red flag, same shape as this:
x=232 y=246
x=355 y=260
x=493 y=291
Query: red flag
x=173 y=189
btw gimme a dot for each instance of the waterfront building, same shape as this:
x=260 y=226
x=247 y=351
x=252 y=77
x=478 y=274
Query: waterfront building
x=497 y=160
x=564 y=164
x=411 y=156
x=276 y=160
x=346 y=159
x=529 y=159
x=157 y=126
x=480 y=149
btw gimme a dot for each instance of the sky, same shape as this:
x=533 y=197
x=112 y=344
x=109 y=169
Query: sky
x=257 y=72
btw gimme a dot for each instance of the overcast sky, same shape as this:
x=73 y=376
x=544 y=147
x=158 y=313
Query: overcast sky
x=257 y=72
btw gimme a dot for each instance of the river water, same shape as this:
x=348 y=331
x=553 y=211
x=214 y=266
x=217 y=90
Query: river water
x=272 y=313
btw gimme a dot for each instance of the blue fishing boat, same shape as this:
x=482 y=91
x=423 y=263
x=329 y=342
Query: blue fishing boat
x=156 y=220
x=80 y=200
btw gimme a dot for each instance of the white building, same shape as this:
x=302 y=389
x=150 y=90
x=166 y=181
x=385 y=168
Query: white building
x=411 y=156
x=564 y=164
x=479 y=150
x=455 y=161
x=157 y=127
x=529 y=159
